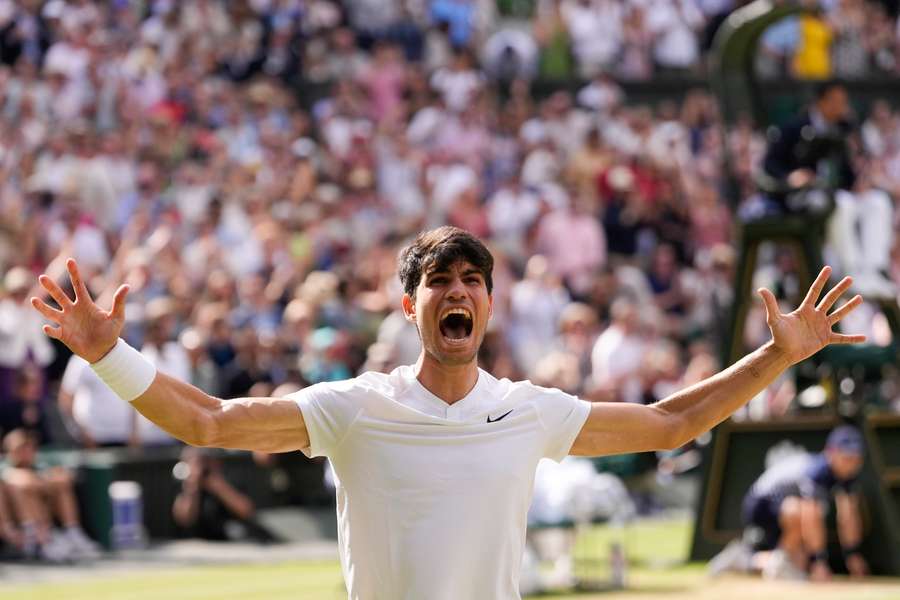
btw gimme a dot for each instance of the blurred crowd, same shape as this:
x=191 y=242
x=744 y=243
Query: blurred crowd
x=162 y=146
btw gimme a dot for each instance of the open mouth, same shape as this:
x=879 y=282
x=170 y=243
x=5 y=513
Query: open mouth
x=456 y=324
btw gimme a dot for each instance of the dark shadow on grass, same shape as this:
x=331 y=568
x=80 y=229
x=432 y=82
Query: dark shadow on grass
x=661 y=589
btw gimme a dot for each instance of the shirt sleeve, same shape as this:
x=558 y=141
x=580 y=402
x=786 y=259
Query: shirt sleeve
x=328 y=415
x=562 y=416
x=817 y=481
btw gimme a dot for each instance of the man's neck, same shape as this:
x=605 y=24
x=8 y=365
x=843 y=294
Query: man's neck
x=450 y=383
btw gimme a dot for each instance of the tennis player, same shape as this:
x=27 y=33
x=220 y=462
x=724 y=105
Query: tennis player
x=435 y=461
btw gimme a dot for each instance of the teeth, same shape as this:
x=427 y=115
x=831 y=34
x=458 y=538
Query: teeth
x=456 y=311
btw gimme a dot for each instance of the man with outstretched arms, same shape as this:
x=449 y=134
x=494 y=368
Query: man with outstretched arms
x=435 y=461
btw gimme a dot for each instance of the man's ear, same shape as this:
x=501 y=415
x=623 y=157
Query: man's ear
x=490 y=305
x=409 y=308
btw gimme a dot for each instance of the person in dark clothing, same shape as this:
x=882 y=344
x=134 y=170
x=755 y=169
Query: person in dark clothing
x=809 y=158
x=785 y=513
x=24 y=33
x=27 y=407
x=810 y=150
x=209 y=506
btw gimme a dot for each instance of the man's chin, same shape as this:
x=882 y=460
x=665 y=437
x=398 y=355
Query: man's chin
x=457 y=360
x=451 y=355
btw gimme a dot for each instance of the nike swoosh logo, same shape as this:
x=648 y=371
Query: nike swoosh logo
x=490 y=420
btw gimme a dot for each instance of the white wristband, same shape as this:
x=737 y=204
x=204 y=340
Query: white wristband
x=125 y=370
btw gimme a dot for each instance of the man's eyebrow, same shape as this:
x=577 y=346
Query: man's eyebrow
x=467 y=272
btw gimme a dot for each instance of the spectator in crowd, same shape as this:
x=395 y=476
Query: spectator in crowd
x=11 y=542
x=881 y=39
x=535 y=305
x=27 y=407
x=637 y=45
x=578 y=330
x=617 y=354
x=812 y=58
x=165 y=146
x=555 y=61
x=459 y=83
x=777 y=46
x=595 y=30
x=574 y=243
x=848 y=50
x=40 y=498
x=510 y=54
x=21 y=341
x=675 y=26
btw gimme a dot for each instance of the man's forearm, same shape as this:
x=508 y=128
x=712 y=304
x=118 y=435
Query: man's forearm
x=704 y=405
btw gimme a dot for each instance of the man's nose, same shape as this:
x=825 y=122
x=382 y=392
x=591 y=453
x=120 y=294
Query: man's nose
x=456 y=290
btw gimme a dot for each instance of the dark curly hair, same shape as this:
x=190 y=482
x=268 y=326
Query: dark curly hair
x=439 y=249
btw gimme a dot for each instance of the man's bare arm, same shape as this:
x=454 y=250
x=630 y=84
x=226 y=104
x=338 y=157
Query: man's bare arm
x=619 y=427
x=615 y=428
x=195 y=417
x=189 y=414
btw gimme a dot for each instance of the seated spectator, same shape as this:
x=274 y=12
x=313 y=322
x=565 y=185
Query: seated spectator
x=11 y=540
x=43 y=497
x=21 y=340
x=26 y=408
x=208 y=505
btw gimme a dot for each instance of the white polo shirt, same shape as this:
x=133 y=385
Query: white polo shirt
x=432 y=498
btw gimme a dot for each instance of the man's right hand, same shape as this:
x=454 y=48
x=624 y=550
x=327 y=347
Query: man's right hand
x=88 y=331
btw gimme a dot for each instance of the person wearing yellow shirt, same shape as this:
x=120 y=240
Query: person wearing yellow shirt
x=813 y=57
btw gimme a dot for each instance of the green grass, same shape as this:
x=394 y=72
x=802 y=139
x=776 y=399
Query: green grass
x=650 y=542
x=294 y=580
x=648 y=545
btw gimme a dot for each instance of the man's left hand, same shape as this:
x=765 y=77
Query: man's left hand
x=805 y=331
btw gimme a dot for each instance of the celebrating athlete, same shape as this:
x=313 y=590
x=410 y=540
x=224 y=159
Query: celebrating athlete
x=435 y=461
